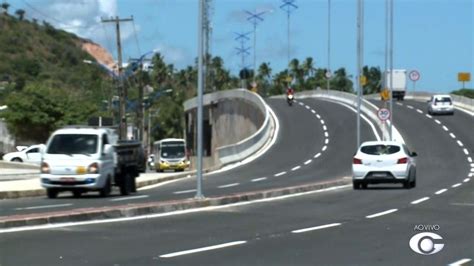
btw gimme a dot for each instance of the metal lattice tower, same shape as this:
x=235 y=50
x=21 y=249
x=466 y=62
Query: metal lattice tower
x=288 y=6
x=255 y=18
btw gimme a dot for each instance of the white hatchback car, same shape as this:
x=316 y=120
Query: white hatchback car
x=383 y=162
x=440 y=104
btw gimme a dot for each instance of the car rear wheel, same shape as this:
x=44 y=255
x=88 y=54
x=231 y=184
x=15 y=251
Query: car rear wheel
x=17 y=160
x=105 y=191
x=77 y=193
x=364 y=185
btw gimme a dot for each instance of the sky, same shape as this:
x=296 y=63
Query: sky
x=434 y=37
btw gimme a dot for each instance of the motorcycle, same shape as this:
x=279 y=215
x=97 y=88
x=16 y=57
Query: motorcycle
x=290 y=99
x=151 y=162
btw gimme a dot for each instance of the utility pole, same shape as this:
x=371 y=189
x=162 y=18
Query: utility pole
x=121 y=88
x=360 y=51
x=328 y=74
x=243 y=51
x=202 y=10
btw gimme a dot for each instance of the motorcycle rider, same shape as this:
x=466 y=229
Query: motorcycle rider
x=289 y=91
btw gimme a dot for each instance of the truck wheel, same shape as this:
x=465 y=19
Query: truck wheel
x=52 y=193
x=126 y=185
x=105 y=191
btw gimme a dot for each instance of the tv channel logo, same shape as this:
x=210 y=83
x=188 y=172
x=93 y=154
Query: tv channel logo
x=426 y=243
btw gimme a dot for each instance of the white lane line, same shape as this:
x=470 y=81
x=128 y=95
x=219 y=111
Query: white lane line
x=461 y=262
x=312 y=111
x=324 y=148
x=472 y=165
x=419 y=111
x=326 y=134
x=307 y=107
x=380 y=213
x=460 y=143
x=429 y=116
x=471 y=175
x=258 y=179
x=295 y=168
x=308 y=162
x=325 y=128
x=162 y=184
x=326 y=141
x=410 y=107
x=400 y=104
x=322 y=121
x=131 y=198
x=229 y=185
x=315 y=228
x=280 y=174
x=456 y=185
x=184 y=191
x=452 y=135
x=469 y=159
x=317 y=155
x=466 y=180
x=438 y=122
x=445 y=128
x=441 y=191
x=472 y=170
x=300 y=103
x=191 y=251
x=44 y=207
x=420 y=200
x=466 y=151
x=318 y=116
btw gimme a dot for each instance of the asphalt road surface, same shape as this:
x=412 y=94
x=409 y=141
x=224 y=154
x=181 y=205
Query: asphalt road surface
x=337 y=227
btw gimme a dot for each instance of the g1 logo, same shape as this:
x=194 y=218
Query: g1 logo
x=426 y=243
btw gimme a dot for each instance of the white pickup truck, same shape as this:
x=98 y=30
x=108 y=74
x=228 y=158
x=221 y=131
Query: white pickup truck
x=81 y=159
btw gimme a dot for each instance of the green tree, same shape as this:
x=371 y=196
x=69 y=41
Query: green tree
x=264 y=75
x=5 y=7
x=20 y=13
x=374 y=79
x=341 y=81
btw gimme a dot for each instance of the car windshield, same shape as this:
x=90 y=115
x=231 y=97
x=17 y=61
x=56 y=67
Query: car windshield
x=73 y=144
x=443 y=100
x=380 y=149
x=172 y=150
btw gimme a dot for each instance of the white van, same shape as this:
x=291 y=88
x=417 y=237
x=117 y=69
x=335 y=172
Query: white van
x=79 y=159
x=440 y=104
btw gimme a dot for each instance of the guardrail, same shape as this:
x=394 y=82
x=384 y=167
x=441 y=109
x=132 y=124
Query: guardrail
x=248 y=146
x=460 y=102
x=369 y=109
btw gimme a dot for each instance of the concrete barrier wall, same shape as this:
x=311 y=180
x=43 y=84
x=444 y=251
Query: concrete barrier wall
x=241 y=124
x=6 y=140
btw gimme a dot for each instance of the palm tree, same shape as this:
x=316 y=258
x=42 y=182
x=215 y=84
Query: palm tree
x=20 y=13
x=5 y=7
x=308 y=67
x=264 y=71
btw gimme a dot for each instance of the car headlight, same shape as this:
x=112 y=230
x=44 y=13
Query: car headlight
x=45 y=168
x=93 y=168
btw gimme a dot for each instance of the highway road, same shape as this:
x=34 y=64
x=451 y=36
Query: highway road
x=342 y=226
x=311 y=146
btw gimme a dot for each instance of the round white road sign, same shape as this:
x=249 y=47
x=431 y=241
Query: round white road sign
x=414 y=75
x=383 y=114
x=328 y=74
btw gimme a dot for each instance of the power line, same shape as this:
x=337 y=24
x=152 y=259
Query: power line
x=136 y=37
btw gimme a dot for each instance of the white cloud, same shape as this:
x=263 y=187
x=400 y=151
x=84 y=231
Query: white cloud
x=174 y=55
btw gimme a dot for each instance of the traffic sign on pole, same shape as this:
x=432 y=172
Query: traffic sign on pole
x=383 y=114
x=414 y=75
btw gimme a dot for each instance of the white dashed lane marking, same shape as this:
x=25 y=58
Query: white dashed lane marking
x=420 y=200
x=461 y=262
x=318 y=116
x=466 y=180
x=466 y=151
x=452 y=135
x=419 y=111
x=429 y=116
x=456 y=185
x=410 y=107
x=438 y=122
x=441 y=191
x=324 y=148
x=322 y=121
x=44 y=207
x=184 y=191
x=326 y=141
x=326 y=134
x=315 y=228
x=460 y=143
x=259 y=179
x=312 y=111
x=280 y=174
x=191 y=251
x=229 y=185
x=445 y=128
x=308 y=162
x=131 y=198
x=295 y=168
x=325 y=128
x=381 y=213
x=317 y=155
x=469 y=159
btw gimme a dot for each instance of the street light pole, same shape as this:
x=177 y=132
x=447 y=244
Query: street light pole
x=328 y=76
x=199 y=194
x=360 y=28
x=391 y=69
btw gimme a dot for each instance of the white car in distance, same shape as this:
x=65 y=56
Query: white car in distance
x=440 y=104
x=31 y=155
x=383 y=162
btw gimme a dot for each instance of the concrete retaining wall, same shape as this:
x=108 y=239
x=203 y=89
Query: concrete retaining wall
x=241 y=124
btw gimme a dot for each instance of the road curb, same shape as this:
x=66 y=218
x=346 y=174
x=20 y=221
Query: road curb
x=132 y=210
x=14 y=194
